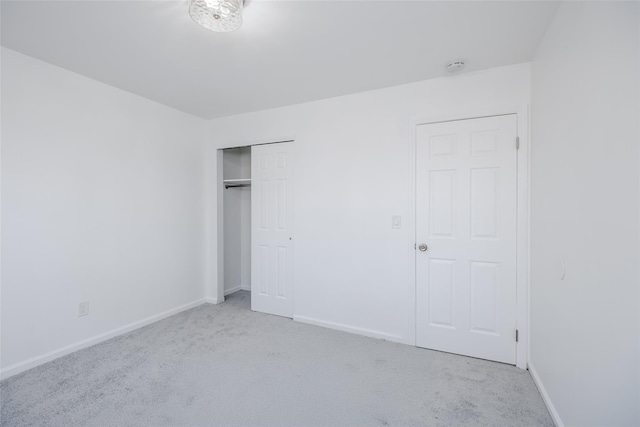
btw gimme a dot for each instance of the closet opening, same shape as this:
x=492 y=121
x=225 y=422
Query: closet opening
x=255 y=227
x=236 y=212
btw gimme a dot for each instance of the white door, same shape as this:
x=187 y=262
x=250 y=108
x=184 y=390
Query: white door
x=466 y=175
x=272 y=229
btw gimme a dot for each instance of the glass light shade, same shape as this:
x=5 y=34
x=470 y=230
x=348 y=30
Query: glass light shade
x=217 y=15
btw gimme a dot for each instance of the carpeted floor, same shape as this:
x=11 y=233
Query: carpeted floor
x=225 y=365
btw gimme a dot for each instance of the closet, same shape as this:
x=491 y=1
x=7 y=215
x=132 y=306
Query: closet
x=256 y=224
x=237 y=219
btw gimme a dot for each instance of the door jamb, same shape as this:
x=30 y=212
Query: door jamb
x=522 y=218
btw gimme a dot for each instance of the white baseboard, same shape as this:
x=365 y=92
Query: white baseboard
x=351 y=329
x=236 y=289
x=232 y=290
x=211 y=300
x=52 y=355
x=545 y=397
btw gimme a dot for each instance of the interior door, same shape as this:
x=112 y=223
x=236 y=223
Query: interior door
x=272 y=229
x=466 y=176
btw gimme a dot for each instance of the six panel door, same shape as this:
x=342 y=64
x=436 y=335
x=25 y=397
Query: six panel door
x=272 y=229
x=466 y=181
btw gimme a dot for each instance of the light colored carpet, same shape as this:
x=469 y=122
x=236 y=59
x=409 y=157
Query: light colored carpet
x=225 y=365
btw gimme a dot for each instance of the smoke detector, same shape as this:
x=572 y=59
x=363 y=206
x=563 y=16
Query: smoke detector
x=455 y=66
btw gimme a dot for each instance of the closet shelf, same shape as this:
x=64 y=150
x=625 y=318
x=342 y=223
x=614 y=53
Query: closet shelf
x=242 y=182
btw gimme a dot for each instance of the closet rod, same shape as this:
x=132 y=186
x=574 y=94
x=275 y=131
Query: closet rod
x=241 y=182
x=236 y=185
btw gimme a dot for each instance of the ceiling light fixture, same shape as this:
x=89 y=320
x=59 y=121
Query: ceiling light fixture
x=217 y=15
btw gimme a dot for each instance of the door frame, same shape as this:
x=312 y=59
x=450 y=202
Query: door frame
x=522 y=218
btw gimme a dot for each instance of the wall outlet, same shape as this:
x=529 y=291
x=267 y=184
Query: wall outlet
x=83 y=308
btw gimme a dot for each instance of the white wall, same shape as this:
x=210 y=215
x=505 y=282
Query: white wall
x=237 y=222
x=102 y=200
x=584 y=199
x=351 y=167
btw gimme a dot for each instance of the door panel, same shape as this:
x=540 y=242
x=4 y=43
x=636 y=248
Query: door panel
x=272 y=229
x=466 y=180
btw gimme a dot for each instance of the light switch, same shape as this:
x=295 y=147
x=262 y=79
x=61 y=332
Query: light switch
x=395 y=221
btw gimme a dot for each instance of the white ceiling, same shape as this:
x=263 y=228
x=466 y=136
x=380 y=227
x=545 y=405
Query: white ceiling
x=286 y=52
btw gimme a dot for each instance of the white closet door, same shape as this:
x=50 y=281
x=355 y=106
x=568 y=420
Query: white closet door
x=272 y=229
x=466 y=216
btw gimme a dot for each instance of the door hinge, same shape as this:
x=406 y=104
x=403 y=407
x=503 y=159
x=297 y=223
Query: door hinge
x=517 y=142
x=516 y=335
